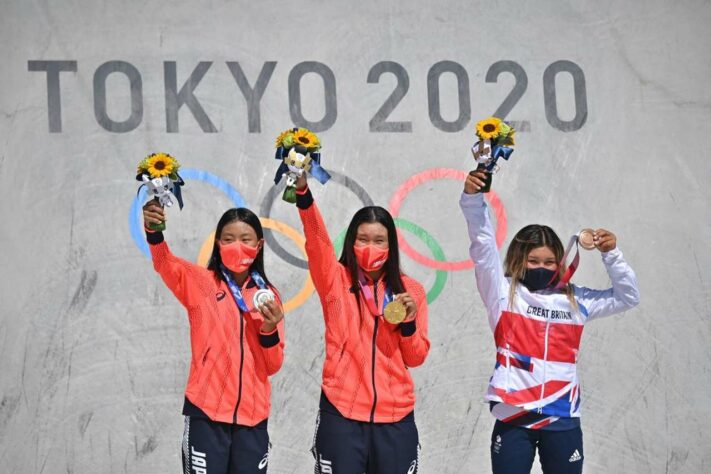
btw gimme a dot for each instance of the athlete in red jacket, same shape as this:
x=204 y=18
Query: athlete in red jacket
x=235 y=346
x=366 y=417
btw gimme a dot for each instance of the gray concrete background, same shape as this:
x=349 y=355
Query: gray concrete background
x=94 y=349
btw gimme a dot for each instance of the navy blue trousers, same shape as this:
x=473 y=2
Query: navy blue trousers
x=513 y=449
x=343 y=446
x=211 y=447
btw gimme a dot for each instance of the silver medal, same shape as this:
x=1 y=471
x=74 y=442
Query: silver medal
x=261 y=296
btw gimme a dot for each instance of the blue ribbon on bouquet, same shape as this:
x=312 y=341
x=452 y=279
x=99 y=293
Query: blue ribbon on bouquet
x=176 y=191
x=498 y=151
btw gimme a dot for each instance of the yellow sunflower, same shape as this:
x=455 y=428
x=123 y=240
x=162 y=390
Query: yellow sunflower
x=161 y=164
x=488 y=129
x=306 y=139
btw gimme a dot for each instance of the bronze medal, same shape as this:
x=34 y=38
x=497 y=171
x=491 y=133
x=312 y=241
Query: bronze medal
x=395 y=312
x=586 y=239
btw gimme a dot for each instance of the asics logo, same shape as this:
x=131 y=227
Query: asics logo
x=413 y=467
x=220 y=295
x=263 y=463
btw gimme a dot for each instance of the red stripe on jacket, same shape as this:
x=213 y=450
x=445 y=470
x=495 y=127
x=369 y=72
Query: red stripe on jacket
x=348 y=367
x=215 y=338
x=527 y=336
x=531 y=394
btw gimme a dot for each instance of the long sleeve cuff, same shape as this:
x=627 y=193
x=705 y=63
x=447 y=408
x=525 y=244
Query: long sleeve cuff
x=304 y=198
x=269 y=340
x=408 y=328
x=471 y=200
x=612 y=255
x=154 y=238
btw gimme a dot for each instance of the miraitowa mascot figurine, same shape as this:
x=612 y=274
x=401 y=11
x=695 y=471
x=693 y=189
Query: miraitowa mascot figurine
x=299 y=152
x=496 y=139
x=159 y=174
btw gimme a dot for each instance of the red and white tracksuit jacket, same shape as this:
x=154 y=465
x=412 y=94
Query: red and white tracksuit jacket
x=365 y=374
x=538 y=335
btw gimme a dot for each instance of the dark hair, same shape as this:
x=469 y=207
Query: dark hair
x=391 y=266
x=240 y=214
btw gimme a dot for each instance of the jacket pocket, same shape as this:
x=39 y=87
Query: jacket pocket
x=204 y=356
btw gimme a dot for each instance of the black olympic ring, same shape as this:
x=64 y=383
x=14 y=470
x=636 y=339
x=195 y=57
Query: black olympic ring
x=268 y=201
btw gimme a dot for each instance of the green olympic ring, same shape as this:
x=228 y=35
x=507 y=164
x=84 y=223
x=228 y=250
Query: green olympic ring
x=424 y=236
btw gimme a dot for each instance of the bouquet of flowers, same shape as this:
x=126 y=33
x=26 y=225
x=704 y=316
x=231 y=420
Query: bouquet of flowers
x=159 y=173
x=298 y=149
x=496 y=140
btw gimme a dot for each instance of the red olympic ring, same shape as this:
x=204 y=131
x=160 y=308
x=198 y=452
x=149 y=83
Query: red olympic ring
x=442 y=173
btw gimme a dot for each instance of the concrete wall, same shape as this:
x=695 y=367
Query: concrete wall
x=613 y=109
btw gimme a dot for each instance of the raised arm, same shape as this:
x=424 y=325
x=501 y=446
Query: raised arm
x=490 y=280
x=189 y=283
x=624 y=293
x=323 y=265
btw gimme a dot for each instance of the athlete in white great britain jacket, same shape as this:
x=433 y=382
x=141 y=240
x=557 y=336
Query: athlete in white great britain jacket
x=537 y=335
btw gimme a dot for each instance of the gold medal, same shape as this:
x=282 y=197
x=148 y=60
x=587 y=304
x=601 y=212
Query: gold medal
x=395 y=312
x=586 y=239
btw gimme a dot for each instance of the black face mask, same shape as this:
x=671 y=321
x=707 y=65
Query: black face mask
x=538 y=278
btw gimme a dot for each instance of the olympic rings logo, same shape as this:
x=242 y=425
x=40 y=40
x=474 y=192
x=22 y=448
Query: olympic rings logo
x=437 y=262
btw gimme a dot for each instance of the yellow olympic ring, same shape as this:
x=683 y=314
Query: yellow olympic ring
x=306 y=290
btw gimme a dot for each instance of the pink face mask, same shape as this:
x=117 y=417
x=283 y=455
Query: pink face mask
x=370 y=257
x=238 y=256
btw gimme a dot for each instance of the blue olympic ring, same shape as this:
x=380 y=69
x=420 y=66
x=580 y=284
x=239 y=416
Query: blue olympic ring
x=134 y=216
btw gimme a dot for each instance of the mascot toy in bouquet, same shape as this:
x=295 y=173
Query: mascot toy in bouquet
x=159 y=173
x=299 y=151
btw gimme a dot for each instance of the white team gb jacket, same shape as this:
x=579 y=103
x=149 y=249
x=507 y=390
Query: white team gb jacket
x=537 y=336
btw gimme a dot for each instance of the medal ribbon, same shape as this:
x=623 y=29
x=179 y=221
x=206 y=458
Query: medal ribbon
x=234 y=289
x=573 y=265
x=369 y=297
